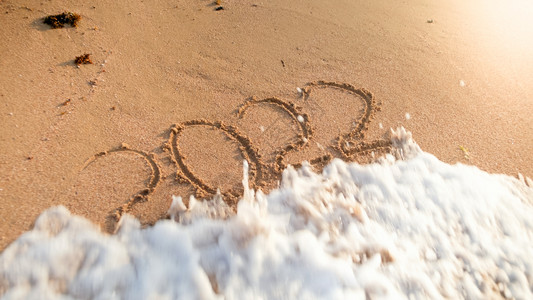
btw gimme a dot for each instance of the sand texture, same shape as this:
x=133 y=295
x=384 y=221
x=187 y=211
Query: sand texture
x=174 y=95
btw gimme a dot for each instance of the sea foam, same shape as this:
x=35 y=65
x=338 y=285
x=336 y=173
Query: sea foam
x=413 y=227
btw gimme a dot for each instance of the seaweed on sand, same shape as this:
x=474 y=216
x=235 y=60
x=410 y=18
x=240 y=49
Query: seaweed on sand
x=59 y=21
x=83 y=59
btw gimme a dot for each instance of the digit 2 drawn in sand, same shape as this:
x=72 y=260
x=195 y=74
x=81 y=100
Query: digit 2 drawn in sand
x=302 y=120
x=348 y=146
x=352 y=143
x=141 y=195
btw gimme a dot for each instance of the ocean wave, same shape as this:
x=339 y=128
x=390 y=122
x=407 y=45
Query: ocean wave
x=413 y=227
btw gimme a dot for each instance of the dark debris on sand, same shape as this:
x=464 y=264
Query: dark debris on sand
x=83 y=59
x=59 y=21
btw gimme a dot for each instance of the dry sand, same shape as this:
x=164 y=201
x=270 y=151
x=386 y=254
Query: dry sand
x=462 y=71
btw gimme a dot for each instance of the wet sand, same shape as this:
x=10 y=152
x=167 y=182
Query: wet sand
x=457 y=75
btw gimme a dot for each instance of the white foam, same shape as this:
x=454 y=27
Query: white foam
x=396 y=229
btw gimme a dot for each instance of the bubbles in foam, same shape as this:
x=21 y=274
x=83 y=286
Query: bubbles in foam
x=399 y=228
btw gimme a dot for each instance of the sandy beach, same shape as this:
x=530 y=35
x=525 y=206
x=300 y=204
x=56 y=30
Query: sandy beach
x=457 y=75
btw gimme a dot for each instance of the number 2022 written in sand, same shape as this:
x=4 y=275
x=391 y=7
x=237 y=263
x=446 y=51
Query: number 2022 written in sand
x=349 y=146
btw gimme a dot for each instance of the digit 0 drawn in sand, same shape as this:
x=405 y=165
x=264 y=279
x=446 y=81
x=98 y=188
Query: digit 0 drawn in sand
x=142 y=195
x=184 y=173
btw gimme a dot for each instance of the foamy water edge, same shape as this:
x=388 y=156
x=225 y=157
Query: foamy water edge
x=401 y=228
